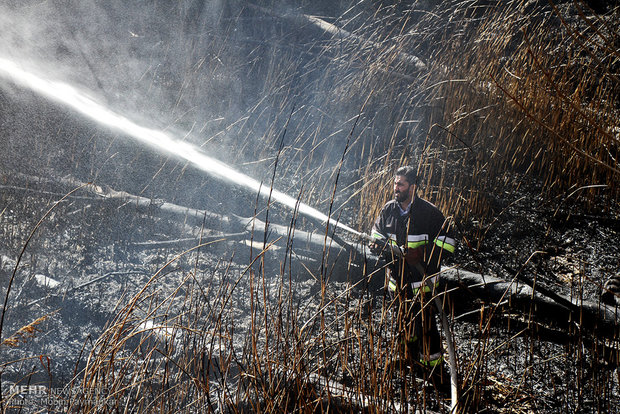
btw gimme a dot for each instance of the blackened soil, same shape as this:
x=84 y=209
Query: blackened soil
x=90 y=251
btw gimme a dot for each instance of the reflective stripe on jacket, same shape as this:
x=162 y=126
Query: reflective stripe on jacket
x=424 y=228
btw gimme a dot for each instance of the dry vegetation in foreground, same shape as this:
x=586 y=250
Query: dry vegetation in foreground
x=534 y=97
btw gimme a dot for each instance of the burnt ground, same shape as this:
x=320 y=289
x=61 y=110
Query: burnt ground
x=87 y=261
x=560 y=247
x=565 y=248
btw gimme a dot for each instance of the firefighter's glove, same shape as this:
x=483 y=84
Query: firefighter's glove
x=375 y=248
x=413 y=256
x=383 y=250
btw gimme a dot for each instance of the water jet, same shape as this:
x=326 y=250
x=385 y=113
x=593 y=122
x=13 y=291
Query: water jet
x=82 y=102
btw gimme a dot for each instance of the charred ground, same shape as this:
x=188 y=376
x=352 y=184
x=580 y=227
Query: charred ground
x=155 y=320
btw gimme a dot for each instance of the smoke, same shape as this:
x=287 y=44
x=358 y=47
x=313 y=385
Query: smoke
x=81 y=102
x=219 y=75
x=167 y=65
x=138 y=57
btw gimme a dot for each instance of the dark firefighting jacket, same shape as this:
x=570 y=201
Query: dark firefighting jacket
x=426 y=236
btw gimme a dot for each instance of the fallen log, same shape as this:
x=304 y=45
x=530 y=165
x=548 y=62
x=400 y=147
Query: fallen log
x=361 y=402
x=249 y=230
x=187 y=241
x=592 y=317
x=339 y=33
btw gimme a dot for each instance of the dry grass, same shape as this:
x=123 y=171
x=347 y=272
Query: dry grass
x=535 y=95
x=24 y=333
x=191 y=351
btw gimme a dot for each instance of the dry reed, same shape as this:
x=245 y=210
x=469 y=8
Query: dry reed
x=524 y=101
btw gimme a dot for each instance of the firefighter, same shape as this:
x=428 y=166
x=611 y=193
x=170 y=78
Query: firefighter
x=424 y=236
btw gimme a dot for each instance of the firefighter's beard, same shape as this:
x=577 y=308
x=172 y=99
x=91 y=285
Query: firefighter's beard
x=402 y=196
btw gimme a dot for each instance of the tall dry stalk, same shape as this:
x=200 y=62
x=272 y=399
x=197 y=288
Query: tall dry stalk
x=520 y=102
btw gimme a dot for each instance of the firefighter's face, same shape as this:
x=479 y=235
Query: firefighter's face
x=402 y=189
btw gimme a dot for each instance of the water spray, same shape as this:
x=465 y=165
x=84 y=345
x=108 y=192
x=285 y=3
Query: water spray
x=81 y=102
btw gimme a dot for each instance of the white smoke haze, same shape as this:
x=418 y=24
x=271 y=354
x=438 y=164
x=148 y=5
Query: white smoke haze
x=134 y=56
x=207 y=71
x=159 y=140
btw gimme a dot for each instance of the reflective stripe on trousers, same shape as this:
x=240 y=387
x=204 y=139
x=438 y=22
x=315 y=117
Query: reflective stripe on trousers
x=415 y=286
x=433 y=359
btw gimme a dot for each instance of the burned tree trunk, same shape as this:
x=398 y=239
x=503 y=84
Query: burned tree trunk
x=559 y=312
x=311 y=246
